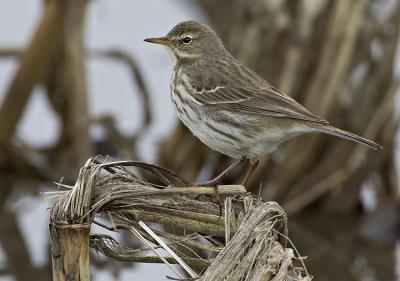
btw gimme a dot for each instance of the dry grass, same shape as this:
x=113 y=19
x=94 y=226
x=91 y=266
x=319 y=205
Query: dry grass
x=243 y=240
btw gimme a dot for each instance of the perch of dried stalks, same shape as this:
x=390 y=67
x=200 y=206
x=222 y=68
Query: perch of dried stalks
x=244 y=240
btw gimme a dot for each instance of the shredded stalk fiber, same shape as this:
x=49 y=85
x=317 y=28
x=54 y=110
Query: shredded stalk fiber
x=242 y=238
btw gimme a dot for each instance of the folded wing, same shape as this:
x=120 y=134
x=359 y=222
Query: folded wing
x=266 y=102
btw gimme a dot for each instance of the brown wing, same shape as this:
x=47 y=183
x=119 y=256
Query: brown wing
x=267 y=102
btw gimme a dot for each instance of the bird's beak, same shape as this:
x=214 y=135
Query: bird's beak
x=162 y=40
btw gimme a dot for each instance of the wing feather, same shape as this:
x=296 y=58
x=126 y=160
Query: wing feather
x=228 y=85
x=267 y=102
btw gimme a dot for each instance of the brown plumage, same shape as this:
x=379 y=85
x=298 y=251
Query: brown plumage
x=227 y=106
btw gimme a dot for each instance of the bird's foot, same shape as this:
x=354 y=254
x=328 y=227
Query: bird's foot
x=217 y=180
x=250 y=170
x=213 y=183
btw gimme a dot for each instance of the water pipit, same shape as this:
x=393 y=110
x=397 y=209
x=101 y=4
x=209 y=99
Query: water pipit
x=229 y=107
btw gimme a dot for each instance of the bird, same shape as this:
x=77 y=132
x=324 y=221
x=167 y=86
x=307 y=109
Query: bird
x=231 y=108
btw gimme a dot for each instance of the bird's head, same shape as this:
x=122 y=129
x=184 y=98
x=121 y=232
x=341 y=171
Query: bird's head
x=191 y=40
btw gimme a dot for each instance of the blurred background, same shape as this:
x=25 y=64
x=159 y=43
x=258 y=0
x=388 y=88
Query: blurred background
x=76 y=80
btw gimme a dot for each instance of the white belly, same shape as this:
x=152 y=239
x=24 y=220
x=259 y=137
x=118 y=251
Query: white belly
x=196 y=118
x=226 y=132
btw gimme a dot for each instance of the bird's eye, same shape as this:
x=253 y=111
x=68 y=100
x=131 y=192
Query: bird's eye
x=187 y=40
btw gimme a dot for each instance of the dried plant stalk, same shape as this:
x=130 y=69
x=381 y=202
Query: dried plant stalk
x=70 y=252
x=143 y=209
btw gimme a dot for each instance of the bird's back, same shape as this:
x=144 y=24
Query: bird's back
x=230 y=85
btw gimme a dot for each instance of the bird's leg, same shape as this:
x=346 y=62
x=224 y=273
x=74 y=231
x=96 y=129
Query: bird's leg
x=250 y=170
x=215 y=181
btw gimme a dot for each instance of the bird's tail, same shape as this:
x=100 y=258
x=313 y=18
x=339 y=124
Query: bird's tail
x=347 y=135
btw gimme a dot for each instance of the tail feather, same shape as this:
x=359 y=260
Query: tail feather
x=349 y=136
